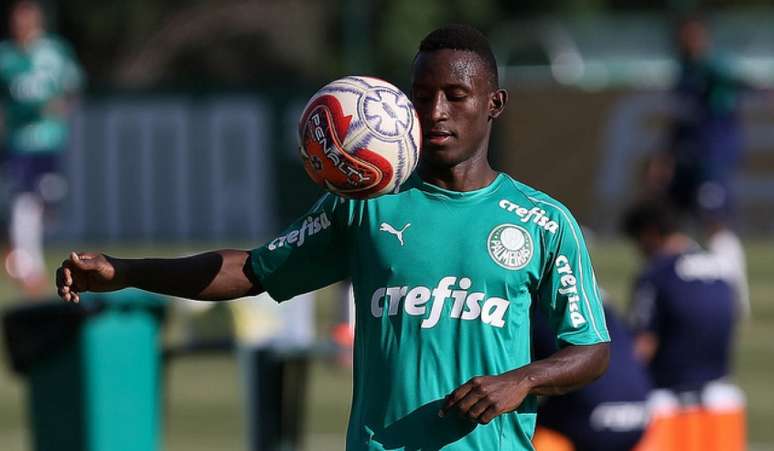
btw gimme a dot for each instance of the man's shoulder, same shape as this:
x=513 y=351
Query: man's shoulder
x=660 y=269
x=534 y=198
x=53 y=41
x=7 y=52
x=52 y=44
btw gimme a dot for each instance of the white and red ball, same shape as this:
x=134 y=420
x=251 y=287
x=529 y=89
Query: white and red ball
x=359 y=137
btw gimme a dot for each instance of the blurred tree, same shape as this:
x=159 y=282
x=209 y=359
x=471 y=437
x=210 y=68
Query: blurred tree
x=147 y=43
x=402 y=24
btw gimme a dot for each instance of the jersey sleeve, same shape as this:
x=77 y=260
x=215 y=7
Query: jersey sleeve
x=568 y=292
x=72 y=74
x=310 y=254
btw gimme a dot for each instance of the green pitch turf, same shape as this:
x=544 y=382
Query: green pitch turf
x=203 y=409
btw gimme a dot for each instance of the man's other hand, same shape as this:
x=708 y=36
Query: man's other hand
x=84 y=271
x=483 y=398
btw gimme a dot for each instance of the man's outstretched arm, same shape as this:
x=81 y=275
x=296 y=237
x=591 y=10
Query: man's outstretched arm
x=211 y=276
x=483 y=398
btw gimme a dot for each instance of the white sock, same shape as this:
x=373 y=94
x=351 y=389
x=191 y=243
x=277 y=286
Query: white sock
x=26 y=258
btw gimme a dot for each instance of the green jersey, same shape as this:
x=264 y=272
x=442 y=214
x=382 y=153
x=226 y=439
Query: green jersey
x=29 y=79
x=443 y=284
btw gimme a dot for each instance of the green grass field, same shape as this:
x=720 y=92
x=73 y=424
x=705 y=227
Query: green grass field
x=203 y=409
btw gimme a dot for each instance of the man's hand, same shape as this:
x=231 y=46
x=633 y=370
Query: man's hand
x=86 y=272
x=483 y=398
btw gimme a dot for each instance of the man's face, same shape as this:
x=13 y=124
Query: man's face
x=693 y=40
x=26 y=22
x=454 y=99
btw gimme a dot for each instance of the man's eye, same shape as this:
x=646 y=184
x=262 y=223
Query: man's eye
x=456 y=96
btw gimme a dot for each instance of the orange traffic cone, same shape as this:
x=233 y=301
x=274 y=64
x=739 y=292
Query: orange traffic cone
x=549 y=440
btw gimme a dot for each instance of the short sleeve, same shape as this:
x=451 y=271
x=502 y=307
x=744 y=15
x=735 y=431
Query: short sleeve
x=568 y=292
x=310 y=254
x=72 y=77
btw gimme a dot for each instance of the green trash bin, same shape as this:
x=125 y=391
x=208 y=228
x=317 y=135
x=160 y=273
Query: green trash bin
x=94 y=371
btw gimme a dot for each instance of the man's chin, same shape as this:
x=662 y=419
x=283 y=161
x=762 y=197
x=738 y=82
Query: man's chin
x=441 y=156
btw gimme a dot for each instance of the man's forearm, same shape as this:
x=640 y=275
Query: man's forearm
x=566 y=370
x=217 y=275
x=482 y=398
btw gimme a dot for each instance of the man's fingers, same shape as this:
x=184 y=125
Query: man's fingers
x=80 y=261
x=60 y=278
x=465 y=405
x=477 y=409
x=71 y=265
x=454 y=397
x=67 y=276
x=489 y=414
x=64 y=283
x=484 y=405
x=75 y=297
x=69 y=281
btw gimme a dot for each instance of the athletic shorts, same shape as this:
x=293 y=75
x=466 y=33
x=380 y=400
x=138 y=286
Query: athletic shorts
x=26 y=171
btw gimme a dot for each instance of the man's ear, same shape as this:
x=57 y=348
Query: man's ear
x=497 y=103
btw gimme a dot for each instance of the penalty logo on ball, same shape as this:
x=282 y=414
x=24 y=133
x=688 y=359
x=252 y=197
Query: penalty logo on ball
x=359 y=137
x=510 y=246
x=323 y=131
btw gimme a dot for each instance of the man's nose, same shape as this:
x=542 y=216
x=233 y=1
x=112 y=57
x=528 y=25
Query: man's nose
x=439 y=109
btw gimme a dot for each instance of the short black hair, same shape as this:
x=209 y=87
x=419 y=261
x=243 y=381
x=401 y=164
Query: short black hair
x=654 y=214
x=462 y=37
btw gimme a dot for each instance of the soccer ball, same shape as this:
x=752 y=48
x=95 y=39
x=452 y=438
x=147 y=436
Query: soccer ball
x=359 y=137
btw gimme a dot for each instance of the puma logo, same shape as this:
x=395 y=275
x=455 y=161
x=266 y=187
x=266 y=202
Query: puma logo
x=391 y=230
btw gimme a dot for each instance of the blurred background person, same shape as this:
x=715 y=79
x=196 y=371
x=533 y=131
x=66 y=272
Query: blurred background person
x=343 y=331
x=275 y=343
x=706 y=136
x=683 y=314
x=609 y=414
x=705 y=148
x=39 y=76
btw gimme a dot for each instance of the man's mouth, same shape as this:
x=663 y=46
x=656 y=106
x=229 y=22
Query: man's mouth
x=438 y=137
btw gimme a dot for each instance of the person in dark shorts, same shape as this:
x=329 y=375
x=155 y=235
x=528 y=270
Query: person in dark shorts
x=38 y=77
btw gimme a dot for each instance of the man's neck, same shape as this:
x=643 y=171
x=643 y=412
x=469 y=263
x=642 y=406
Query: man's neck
x=468 y=176
x=676 y=243
x=29 y=39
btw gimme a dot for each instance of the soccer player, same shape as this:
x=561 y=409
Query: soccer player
x=38 y=77
x=442 y=330
x=683 y=309
x=683 y=313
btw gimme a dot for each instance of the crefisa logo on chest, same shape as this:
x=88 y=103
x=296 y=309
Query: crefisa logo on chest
x=510 y=246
